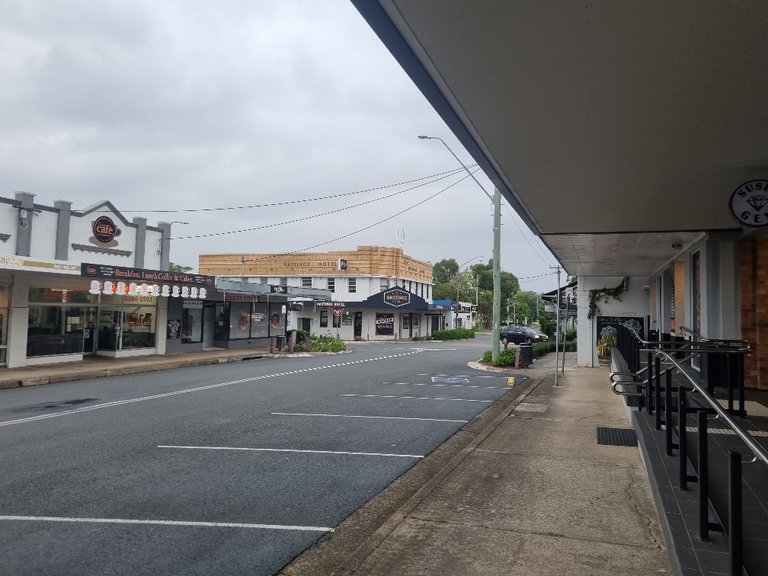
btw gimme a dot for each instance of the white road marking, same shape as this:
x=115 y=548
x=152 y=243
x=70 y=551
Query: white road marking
x=368 y=417
x=445 y=385
x=187 y=391
x=417 y=398
x=166 y=523
x=335 y=452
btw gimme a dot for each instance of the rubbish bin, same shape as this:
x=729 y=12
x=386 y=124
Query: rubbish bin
x=525 y=355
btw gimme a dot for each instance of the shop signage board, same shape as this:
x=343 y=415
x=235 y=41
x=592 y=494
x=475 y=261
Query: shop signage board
x=749 y=203
x=142 y=275
x=397 y=297
x=37 y=265
x=141 y=282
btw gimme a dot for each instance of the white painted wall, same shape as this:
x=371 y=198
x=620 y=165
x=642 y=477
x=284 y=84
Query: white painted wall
x=634 y=302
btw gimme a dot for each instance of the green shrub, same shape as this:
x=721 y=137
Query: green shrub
x=327 y=344
x=542 y=348
x=570 y=334
x=453 y=334
x=506 y=357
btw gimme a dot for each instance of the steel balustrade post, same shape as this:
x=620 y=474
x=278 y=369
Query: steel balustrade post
x=668 y=418
x=657 y=392
x=729 y=382
x=703 y=477
x=740 y=383
x=735 y=519
x=649 y=386
x=682 y=453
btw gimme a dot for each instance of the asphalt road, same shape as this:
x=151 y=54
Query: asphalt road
x=224 y=469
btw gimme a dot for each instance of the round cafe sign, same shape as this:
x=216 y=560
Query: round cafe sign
x=104 y=229
x=749 y=203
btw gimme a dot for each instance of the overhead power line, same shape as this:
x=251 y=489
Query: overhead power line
x=300 y=201
x=363 y=229
x=313 y=216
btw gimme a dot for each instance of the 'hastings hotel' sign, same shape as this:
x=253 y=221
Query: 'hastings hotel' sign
x=140 y=282
x=397 y=297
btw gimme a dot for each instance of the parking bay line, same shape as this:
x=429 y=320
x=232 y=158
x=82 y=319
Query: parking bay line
x=437 y=398
x=320 y=415
x=165 y=523
x=295 y=451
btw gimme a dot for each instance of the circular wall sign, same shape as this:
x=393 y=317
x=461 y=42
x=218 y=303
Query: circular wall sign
x=749 y=203
x=104 y=229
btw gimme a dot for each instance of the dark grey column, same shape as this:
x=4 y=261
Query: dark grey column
x=165 y=244
x=24 y=228
x=141 y=241
x=62 y=228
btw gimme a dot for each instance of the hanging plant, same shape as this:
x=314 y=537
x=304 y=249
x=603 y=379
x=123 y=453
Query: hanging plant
x=603 y=294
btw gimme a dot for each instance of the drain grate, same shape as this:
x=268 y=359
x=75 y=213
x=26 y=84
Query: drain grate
x=616 y=436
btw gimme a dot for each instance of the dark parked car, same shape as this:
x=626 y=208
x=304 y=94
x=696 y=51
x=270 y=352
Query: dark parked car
x=514 y=334
x=536 y=336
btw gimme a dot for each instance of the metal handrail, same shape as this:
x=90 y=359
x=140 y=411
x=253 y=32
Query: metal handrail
x=703 y=343
x=759 y=452
x=701 y=338
x=754 y=447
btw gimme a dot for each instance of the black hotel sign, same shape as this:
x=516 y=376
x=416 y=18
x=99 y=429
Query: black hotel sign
x=397 y=297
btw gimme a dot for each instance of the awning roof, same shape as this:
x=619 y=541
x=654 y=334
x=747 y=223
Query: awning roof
x=618 y=131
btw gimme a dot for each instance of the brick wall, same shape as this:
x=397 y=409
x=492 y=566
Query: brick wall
x=754 y=309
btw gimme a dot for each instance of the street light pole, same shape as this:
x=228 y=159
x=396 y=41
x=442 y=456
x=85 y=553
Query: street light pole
x=496 y=200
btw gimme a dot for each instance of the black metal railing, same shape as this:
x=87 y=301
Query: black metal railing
x=674 y=392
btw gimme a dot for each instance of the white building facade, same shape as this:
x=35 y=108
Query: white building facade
x=372 y=293
x=71 y=283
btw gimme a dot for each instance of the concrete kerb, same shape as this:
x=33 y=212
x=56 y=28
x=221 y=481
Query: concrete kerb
x=377 y=538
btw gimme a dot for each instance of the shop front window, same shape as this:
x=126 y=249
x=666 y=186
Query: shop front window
x=385 y=324
x=138 y=327
x=55 y=330
x=240 y=320
x=192 y=322
x=323 y=318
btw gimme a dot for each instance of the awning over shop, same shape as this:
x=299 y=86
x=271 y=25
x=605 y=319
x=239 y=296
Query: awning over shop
x=395 y=298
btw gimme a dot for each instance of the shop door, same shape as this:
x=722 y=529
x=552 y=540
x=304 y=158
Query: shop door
x=110 y=322
x=89 y=330
x=358 y=325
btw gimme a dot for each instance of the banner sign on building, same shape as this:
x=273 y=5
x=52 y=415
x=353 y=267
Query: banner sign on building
x=329 y=304
x=37 y=265
x=140 y=282
x=141 y=275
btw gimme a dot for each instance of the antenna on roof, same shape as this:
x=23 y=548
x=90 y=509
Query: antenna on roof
x=400 y=235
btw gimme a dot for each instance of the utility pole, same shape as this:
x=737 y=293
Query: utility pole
x=496 y=273
x=496 y=248
x=557 y=329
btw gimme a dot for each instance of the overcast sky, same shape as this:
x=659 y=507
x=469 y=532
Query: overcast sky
x=180 y=105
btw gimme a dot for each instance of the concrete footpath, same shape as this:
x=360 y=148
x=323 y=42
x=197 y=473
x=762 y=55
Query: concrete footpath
x=533 y=494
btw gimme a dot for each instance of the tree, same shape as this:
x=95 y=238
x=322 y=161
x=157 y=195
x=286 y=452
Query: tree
x=444 y=271
x=179 y=268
